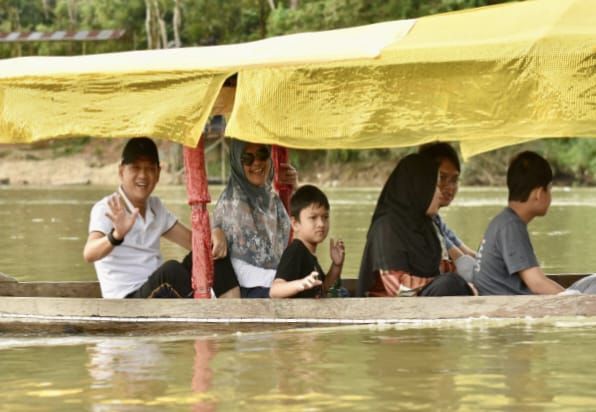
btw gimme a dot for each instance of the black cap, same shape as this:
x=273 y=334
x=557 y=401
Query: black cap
x=140 y=147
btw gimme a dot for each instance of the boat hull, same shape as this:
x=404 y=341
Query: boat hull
x=76 y=307
x=96 y=315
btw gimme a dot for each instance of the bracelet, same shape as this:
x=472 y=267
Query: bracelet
x=113 y=241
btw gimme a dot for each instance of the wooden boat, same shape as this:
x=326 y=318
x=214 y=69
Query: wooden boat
x=76 y=307
x=392 y=84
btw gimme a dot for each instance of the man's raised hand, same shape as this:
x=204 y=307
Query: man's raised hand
x=121 y=220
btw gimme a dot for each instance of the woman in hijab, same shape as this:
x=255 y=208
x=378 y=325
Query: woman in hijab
x=252 y=218
x=403 y=253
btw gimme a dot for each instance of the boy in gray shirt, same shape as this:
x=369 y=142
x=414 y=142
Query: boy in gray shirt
x=506 y=263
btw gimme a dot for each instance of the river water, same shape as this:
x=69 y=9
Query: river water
x=525 y=365
x=43 y=231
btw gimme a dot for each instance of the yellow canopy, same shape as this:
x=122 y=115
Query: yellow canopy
x=486 y=77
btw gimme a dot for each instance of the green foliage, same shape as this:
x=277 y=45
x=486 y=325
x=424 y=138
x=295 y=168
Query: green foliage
x=573 y=159
x=20 y=14
x=207 y=22
x=27 y=15
x=333 y=14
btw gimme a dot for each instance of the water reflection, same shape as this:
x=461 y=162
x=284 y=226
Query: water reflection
x=133 y=372
x=516 y=371
x=300 y=376
x=300 y=370
x=480 y=365
x=526 y=382
x=136 y=375
x=417 y=370
x=202 y=377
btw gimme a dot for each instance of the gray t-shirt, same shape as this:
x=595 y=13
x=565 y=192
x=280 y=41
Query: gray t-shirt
x=505 y=250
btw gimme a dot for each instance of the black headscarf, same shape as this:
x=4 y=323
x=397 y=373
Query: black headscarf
x=400 y=225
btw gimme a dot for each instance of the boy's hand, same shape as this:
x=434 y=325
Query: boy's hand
x=121 y=220
x=337 y=251
x=310 y=281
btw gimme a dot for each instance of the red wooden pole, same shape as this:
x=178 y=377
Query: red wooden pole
x=279 y=155
x=198 y=197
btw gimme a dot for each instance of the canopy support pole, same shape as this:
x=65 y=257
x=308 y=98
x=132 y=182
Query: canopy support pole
x=279 y=154
x=198 y=198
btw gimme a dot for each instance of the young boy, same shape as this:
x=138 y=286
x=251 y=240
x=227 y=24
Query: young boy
x=299 y=273
x=506 y=263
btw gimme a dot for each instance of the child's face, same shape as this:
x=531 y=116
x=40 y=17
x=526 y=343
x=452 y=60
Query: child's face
x=313 y=224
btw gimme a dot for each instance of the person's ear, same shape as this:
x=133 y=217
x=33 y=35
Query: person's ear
x=295 y=223
x=541 y=192
x=534 y=194
x=120 y=170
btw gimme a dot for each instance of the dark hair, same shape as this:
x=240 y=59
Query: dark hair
x=441 y=151
x=527 y=171
x=304 y=197
x=140 y=147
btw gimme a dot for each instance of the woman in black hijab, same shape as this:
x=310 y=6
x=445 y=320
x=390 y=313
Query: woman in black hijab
x=402 y=253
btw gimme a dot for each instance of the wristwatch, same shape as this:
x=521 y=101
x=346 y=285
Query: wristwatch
x=113 y=241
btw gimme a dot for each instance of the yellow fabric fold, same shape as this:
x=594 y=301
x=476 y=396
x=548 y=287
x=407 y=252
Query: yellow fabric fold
x=168 y=106
x=165 y=94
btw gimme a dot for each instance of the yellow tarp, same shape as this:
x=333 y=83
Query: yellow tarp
x=486 y=77
x=166 y=94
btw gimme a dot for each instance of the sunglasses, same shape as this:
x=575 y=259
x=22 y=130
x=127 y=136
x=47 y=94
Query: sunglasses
x=261 y=154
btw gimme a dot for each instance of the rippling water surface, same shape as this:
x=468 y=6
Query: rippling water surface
x=472 y=366
x=43 y=231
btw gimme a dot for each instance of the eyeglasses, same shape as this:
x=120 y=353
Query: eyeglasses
x=261 y=154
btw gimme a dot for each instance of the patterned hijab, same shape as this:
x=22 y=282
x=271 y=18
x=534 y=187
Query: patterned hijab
x=253 y=218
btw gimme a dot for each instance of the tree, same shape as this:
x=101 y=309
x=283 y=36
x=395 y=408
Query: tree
x=207 y=22
x=177 y=23
x=157 y=36
x=311 y=15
